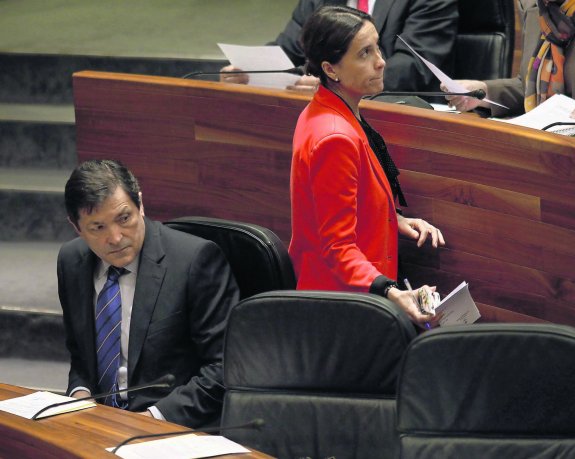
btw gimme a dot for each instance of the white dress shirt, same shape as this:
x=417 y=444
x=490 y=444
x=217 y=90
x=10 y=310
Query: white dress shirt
x=127 y=289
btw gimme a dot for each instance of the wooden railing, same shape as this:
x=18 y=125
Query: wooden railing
x=504 y=196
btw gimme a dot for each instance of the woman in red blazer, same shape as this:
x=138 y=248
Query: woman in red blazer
x=343 y=182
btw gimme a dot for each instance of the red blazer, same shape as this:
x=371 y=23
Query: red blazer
x=344 y=223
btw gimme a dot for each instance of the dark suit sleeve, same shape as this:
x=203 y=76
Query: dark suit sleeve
x=429 y=27
x=509 y=92
x=211 y=292
x=289 y=38
x=79 y=374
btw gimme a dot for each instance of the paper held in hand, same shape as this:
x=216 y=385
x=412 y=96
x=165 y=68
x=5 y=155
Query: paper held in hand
x=458 y=308
x=451 y=85
x=28 y=405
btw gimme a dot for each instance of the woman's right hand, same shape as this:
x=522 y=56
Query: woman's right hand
x=465 y=103
x=406 y=301
x=238 y=78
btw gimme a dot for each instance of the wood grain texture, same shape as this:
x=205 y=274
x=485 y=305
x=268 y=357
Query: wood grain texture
x=503 y=195
x=82 y=434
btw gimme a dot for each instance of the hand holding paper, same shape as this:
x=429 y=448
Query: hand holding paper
x=449 y=84
x=260 y=58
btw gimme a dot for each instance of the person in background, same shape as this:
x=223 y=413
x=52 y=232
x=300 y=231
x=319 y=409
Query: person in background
x=140 y=301
x=344 y=184
x=547 y=63
x=429 y=26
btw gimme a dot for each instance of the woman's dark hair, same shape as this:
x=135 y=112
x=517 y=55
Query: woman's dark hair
x=92 y=182
x=327 y=34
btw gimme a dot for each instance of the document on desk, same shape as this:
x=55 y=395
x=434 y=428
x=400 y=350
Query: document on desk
x=558 y=108
x=183 y=447
x=458 y=308
x=28 y=405
x=451 y=85
x=261 y=58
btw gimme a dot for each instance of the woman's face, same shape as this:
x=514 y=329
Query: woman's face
x=360 y=70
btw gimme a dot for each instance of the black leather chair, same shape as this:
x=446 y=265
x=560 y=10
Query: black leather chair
x=489 y=391
x=258 y=258
x=485 y=41
x=320 y=369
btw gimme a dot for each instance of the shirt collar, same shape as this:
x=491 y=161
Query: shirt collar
x=102 y=268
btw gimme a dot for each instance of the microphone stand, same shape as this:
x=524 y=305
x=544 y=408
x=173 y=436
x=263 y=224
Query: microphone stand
x=293 y=71
x=558 y=123
x=163 y=382
x=253 y=424
x=478 y=94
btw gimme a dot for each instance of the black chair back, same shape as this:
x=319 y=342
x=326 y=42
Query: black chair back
x=485 y=41
x=258 y=258
x=488 y=391
x=320 y=368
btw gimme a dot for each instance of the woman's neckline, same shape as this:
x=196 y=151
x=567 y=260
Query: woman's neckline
x=357 y=115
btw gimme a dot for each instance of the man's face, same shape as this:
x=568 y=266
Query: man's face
x=115 y=230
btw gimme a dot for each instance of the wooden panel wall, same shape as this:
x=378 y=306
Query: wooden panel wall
x=502 y=195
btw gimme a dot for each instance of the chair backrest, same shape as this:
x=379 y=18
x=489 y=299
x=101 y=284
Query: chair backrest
x=258 y=258
x=320 y=368
x=485 y=41
x=488 y=391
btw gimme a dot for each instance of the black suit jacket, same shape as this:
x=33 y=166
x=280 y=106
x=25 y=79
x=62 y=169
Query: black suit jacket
x=184 y=291
x=429 y=26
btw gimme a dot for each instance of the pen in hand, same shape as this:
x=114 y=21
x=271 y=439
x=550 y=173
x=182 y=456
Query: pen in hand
x=408 y=285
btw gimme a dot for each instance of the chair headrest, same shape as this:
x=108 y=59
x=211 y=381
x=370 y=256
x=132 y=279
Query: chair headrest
x=486 y=16
x=258 y=258
x=510 y=378
x=328 y=341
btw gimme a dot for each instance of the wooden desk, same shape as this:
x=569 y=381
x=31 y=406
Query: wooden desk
x=82 y=434
x=503 y=195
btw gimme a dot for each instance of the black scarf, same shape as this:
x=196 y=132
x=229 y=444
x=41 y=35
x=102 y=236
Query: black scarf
x=380 y=149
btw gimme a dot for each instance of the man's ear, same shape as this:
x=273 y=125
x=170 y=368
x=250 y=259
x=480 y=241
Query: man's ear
x=141 y=204
x=78 y=232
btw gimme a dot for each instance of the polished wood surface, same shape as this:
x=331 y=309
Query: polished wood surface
x=503 y=195
x=81 y=434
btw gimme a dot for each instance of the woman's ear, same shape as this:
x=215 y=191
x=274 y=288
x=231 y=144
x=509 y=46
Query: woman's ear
x=329 y=71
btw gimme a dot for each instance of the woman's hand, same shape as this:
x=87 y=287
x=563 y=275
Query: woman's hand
x=416 y=228
x=406 y=301
x=466 y=103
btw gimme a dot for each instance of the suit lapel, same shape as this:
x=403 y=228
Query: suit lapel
x=328 y=99
x=148 y=283
x=84 y=311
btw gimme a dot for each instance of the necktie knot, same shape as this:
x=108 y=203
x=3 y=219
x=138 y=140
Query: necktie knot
x=115 y=273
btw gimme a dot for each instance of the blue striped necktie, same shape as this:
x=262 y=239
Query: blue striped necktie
x=108 y=333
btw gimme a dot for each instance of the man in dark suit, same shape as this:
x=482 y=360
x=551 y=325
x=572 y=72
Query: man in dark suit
x=429 y=26
x=173 y=299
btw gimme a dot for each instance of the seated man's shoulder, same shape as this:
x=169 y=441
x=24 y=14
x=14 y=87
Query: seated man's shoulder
x=74 y=247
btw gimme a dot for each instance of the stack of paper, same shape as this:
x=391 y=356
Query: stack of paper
x=557 y=109
x=458 y=308
x=28 y=405
x=185 y=447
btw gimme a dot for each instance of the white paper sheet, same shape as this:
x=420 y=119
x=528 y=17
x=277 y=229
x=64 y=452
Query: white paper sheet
x=558 y=108
x=183 y=447
x=261 y=58
x=28 y=405
x=451 y=85
x=458 y=307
